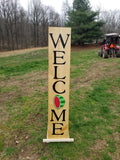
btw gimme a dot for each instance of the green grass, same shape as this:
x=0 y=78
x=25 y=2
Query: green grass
x=79 y=65
x=94 y=111
x=8 y=89
x=2 y=144
x=21 y=64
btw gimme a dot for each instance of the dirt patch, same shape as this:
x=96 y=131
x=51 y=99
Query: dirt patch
x=26 y=85
x=100 y=145
x=18 y=52
x=4 y=97
x=23 y=51
x=26 y=154
x=3 y=116
x=116 y=138
x=117 y=156
x=84 y=48
x=96 y=72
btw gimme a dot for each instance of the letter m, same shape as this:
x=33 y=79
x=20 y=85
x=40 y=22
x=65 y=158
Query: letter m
x=60 y=37
x=58 y=117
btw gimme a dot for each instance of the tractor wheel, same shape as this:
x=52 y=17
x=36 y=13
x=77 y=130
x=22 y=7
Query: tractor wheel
x=118 y=54
x=105 y=54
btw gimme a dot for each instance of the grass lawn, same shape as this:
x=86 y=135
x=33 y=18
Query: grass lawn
x=94 y=108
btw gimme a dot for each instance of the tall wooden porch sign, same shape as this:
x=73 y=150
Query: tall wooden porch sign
x=58 y=85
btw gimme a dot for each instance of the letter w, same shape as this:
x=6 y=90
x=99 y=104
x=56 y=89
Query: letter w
x=60 y=37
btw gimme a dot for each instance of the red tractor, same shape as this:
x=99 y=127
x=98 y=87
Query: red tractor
x=110 y=46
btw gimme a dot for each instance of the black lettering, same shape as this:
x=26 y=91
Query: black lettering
x=60 y=37
x=58 y=117
x=55 y=57
x=56 y=68
x=55 y=88
x=57 y=129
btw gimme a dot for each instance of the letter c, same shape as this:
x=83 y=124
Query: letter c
x=55 y=88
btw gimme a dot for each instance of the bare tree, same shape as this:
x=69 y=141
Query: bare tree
x=23 y=29
x=9 y=16
x=53 y=18
x=36 y=16
x=111 y=19
x=65 y=9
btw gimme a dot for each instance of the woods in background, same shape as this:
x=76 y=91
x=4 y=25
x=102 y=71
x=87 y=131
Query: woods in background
x=24 y=29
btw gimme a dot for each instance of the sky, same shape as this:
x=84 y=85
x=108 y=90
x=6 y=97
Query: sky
x=57 y=4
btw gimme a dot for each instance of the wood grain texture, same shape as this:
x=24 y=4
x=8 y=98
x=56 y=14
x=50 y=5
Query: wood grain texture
x=59 y=57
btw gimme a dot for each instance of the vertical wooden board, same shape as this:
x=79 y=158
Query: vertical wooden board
x=58 y=82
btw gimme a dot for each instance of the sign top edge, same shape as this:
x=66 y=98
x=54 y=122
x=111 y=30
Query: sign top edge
x=59 y=28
